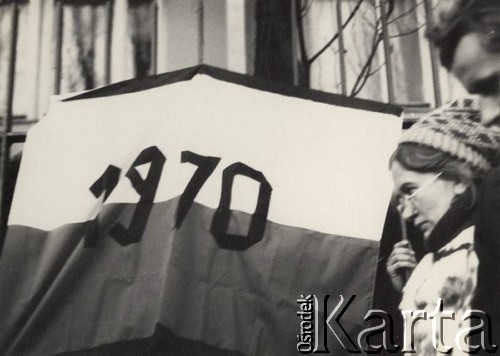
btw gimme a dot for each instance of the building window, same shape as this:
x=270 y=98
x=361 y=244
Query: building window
x=25 y=72
x=142 y=34
x=82 y=45
x=372 y=49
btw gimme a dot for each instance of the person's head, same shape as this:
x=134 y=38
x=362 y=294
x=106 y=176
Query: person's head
x=467 y=34
x=439 y=159
x=427 y=181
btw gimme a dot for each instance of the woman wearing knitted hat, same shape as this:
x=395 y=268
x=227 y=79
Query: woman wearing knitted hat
x=436 y=169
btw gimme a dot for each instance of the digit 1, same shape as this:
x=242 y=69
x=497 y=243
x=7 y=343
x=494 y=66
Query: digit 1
x=104 y=185
x=146 y=188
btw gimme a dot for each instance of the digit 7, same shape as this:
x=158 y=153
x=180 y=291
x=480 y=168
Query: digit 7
x=206 y=166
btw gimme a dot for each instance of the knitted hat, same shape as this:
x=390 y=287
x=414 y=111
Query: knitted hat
x=456 y=129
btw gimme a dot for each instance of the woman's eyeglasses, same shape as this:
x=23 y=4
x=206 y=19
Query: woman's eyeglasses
x=410 y=198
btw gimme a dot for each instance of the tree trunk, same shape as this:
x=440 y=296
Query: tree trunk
x=304 y=75
x=274 y=51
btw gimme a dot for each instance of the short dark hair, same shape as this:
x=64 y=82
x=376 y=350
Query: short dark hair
x=470 y=16
x=446 y=42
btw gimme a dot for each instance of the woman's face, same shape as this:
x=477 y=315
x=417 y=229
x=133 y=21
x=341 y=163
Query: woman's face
x=425 y=197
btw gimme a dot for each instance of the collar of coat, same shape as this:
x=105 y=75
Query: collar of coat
x=458 y=217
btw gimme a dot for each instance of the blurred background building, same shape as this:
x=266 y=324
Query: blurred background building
x=372 y=49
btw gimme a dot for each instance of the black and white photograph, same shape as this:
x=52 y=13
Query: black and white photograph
x=249 y=177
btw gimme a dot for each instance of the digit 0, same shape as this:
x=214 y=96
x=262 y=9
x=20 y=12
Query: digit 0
x=222 y=215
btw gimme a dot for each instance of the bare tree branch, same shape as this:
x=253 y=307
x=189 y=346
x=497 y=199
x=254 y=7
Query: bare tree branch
x=365 y=70
x=375 y=71
x=387 y=6
x=390 y=9
x=306 y=7
x=366 y=20
x=405 y=13
x=344 y=25
x=402 y=34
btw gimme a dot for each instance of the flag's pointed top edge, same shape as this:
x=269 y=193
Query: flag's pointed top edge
x=138 y=84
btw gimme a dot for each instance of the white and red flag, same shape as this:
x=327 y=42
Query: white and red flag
x=198 y=204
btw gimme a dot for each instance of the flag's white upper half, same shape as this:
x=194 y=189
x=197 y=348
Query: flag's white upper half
x=328 y=165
